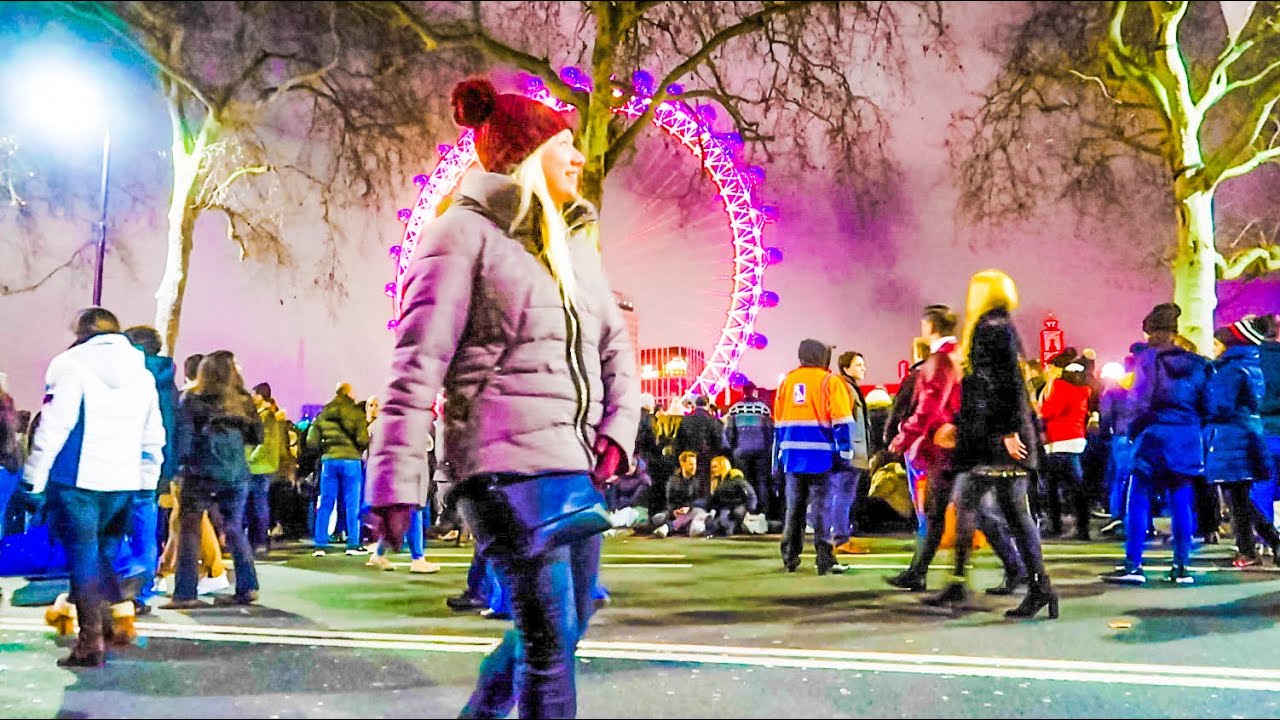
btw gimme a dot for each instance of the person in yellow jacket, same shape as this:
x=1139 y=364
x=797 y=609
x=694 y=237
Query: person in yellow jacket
x=813 y=431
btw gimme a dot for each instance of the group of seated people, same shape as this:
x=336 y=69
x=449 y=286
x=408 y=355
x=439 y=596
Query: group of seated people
x=721 y=503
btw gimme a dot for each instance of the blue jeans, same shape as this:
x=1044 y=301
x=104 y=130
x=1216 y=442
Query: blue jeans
x=1119 y=465
x=345 y=478
x=844 y=491
x=198 y=496
x=1138 y=514
x=143 y=516
x=478 y=577
x=534 y=665
x=922 y=519
x=91 y=526
x=804 y=491
x=420 y=519
x=8 y=485
x=258 y=510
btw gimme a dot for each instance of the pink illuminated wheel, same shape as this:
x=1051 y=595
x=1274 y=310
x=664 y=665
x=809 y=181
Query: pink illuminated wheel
x=734 y=181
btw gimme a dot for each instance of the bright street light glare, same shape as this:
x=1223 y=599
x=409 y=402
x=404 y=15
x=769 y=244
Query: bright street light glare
x=1112 y=371
x=59 y=98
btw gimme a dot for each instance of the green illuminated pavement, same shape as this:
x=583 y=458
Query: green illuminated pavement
x=697 y=628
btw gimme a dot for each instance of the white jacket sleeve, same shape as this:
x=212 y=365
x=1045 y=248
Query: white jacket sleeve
x=153 y=441
x=63 y=398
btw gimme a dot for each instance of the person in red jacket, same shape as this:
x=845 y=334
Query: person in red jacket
x=1065 y=412
x=926 y=438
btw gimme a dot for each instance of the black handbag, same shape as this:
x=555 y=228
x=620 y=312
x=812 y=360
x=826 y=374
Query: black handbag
x=518 y=517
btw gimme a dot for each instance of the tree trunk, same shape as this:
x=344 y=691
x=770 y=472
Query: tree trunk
x=189 y=173
x=1194 y=269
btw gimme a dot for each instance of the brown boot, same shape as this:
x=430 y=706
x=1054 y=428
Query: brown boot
x=90 y=649
x=121 y=618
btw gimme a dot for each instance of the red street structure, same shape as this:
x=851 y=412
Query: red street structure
x=1052 y=339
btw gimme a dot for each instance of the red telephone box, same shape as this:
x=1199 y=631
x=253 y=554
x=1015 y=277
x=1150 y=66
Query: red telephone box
x=1052 y=339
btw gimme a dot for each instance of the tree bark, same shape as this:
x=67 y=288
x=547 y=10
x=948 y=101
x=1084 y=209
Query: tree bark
x=189 y=171
x=1194 y=269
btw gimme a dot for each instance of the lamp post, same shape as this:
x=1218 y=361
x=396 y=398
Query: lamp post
x=63 y=101
x=101 y=256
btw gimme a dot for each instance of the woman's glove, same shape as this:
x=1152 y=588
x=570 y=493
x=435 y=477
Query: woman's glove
x=609 y=458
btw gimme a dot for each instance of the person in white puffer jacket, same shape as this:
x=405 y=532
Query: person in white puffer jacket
x=100 y=440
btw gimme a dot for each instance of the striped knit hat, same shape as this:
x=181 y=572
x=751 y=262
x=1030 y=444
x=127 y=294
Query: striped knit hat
x=1245 y=331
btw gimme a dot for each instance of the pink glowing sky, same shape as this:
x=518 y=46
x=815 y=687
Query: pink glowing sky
x=854 y=286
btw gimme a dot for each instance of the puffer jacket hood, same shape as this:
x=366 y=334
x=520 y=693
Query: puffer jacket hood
x=815 y=353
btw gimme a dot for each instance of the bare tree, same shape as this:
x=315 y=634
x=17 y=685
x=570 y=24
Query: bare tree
x=1117 y=106
x=270 y=102
x=794 y=78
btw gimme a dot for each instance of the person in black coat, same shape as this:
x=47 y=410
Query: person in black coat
x=997 y=444
x=216 y=422
x=701 y=433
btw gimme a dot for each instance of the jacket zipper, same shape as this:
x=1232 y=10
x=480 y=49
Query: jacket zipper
x=578 y=372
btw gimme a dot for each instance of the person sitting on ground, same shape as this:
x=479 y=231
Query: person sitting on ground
x=685 y=504
x=627 y=496
x=732 y=498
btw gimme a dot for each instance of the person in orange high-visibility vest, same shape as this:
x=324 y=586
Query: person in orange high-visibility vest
x=813 y=431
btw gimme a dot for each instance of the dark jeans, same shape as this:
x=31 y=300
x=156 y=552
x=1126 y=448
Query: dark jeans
x=1206 y=498
x=844 y=491
x=1245 y=517
x=91 y=526
x=938 y=492
x=533 y=667
x=1064 y=474
x=143 y=516
x=805 y=490
x=199 y=495
x=757 y=468
x=1142 y=484
x=1011 y=498
x=727 y=520
x=1119 y=465
x=258 y=510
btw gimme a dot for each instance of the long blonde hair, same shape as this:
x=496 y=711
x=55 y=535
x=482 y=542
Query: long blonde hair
x=988 y=290
x=554 y=229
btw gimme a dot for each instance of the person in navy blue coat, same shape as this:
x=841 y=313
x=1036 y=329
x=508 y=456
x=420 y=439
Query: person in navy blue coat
x=1170 y=404
x=1236 y=446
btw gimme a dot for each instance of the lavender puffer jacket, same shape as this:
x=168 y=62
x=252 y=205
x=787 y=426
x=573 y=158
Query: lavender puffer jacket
x=482 y=319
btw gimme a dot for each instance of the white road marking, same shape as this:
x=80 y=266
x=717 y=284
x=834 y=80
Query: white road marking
x=1267 y=680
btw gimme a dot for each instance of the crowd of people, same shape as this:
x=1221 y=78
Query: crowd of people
x=532 y=437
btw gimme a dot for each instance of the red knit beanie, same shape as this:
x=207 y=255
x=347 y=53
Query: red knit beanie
x=508 y=127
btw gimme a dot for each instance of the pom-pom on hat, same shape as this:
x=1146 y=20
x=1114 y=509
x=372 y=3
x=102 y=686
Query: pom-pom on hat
x=1162 y=318
x=508 y=127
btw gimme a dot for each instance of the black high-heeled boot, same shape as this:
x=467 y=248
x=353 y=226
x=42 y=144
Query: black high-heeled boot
x=1009 y=585
x=1039 y=594
x=954 y=596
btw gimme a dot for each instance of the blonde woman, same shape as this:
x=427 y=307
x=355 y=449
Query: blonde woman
x=997 y=445
x=508 y=311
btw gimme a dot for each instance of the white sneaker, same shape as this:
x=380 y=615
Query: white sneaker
x=662 y=531
x=318 y=553
x=380 y=562
x=210 y=585
x=423 y=566
x=354 y=552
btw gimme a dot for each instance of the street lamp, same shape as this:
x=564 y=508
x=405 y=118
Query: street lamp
x=62 y=100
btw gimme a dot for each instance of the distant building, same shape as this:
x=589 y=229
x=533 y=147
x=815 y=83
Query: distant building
x=633 y=321
x=668 y=372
